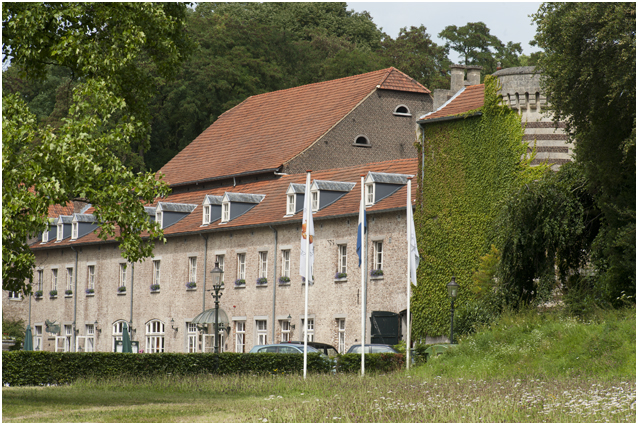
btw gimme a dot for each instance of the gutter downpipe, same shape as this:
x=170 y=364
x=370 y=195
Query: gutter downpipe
x=75 y=301
x=205 y=260
x=274 y=285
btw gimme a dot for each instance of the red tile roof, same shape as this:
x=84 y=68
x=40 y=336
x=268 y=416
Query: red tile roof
x=272 y=209
x=266 y=130
x=58 y=210
x=471 y=98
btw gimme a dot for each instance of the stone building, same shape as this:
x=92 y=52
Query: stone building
x=237 y=192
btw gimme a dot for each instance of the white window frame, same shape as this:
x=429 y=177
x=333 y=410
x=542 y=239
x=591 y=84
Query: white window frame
x=122 y=275
x=37 y=338
x=89 y=339
x=290 y=205
x=90 y=281
x=240 y=336
x=377 y=260
x=40 y=279
x=15 y=295
x=314 y=198
x=192 y=337
x=285 y=330
x=369 y=194
x=156 y=272
x=68 y=334
x=158 y=218
x=206 y=215
x=225 y=212
x=74 y=230
x=155 y=331
x=69 y=278
x=54 y=279
x=311 y=328
x=58 y=237
x=341 y=329
x=263 y=264
x=342 y=253
x=285 y=262
x=241 y=266
x=219 y=259
x=117 y=333
x=45 y=236
x=192 y=269
x=261 y=332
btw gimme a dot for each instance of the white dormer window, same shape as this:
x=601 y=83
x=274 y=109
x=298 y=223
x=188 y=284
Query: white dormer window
x=74 y=230
x=158 y=219
x=45 y=236
x=206 y=219
x=370 y=194
x=60 y=230
x=225 y=212
x=290 y=208
x=314 y=196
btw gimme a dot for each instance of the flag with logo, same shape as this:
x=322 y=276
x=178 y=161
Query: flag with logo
x=307 y=233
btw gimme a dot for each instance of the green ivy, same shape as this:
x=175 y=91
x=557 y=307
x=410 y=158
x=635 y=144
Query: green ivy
x=470 y=166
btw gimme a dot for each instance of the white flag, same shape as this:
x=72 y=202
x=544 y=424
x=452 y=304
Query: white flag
x=414 y=250
x=307 y=231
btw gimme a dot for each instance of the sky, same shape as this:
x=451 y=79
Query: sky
x=509 y=21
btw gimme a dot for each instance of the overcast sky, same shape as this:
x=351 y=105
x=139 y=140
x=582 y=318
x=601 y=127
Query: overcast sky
x=509 y=21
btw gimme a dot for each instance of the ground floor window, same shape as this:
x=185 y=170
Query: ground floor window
x=192 y=336
x=155 y=337
x=341 y=323
x=68 y=334
x=311 y=329
x=240 y=336
x=261 y=332
x=37 y=338
x=285 y=330
x=118 y=330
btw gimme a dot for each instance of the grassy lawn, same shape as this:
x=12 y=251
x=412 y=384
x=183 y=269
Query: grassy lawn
x=526 y=368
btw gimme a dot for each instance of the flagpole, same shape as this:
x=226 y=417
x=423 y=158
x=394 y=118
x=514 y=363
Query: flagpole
x=408 y=228
x=363 y=285
x=308 y=205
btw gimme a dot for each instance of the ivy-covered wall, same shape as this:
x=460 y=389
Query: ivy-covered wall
x=470 y=166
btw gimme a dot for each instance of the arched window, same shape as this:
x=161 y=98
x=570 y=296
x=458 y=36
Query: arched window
x=361 y=140
x=402 y=110
x=155 y=337
x=118 y=328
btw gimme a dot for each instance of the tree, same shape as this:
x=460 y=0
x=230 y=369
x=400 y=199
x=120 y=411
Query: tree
x=414 y=53
x=105 y=48
x=588 y=71
x=478 y=47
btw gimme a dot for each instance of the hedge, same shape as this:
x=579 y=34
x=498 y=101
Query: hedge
x=42 y=367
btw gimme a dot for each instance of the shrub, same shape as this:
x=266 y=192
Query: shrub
x=376 y=273
x=262 y=281
x=382 y=362
x=283 y=280
x=191 y=285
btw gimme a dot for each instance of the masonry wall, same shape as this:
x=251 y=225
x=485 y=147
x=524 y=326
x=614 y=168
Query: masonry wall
x=391 y=136
x=329 y=298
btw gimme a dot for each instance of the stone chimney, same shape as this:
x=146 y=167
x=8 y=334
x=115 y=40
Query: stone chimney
x=458 y=75
x=473 y=75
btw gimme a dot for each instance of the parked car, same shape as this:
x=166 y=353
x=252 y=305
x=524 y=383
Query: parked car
x=372 y=349
x=326 y=349
x=282 y=349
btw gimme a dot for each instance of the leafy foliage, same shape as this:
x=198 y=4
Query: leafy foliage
x=470 y=166
x=588 y=70
x=381 y=362
x=14 y=329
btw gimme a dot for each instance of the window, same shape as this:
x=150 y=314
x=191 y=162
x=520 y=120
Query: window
x=69 y=279
x=361 y=140
x=158 y=219
x=45 y=236
x=54 y=279
x=192 y=269
x=68 y=334
x=90 y=281
x=285 y=263
x=60 y=230
x=378 y=256
x=343 y=259
x=118 y=330
x=89 y=345
x=263 y=264
x=226 y=212
x=74 y=230
x=342 y=335
x=222 y=340
x=206 y=219
x=261 y=332
x=39 y=280
x=402 y=110
x=14 y=295
x=156 y=272
x=155 y=337
x=122 y=275
x=192 y=337
x=315 y=200
x=241 y=266
x=311 y=329
x=370 y=194
x=290 y=209
x=220 y=263
x=285 y=330
x=240 y=336
x=37 y=338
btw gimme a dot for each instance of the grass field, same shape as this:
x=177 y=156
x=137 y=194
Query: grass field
x=526 y=368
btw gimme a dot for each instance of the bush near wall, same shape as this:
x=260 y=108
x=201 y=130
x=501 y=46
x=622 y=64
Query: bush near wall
x=381 y=362
x=42 y=367
x=470 y=166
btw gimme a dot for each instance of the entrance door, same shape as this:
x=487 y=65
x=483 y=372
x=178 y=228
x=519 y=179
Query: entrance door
x=384 y=327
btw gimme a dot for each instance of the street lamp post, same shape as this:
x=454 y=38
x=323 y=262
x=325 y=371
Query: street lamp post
x=452 y=291
x=216 y=274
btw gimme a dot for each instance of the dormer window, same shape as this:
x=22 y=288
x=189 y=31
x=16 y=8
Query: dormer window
x=60 y=230
x=158 y=219
x=290 y=207
x=225 y=212
x=74 y=230
x=402 y=110
x=361 y=140
x=370 y=194
x=206 y=219
x=45 y=236
x=314 y=196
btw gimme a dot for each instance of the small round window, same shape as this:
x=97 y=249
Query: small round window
x=401 y=110
x=361 y=140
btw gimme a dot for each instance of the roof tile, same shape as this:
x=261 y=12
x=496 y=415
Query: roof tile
x=469 y=99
